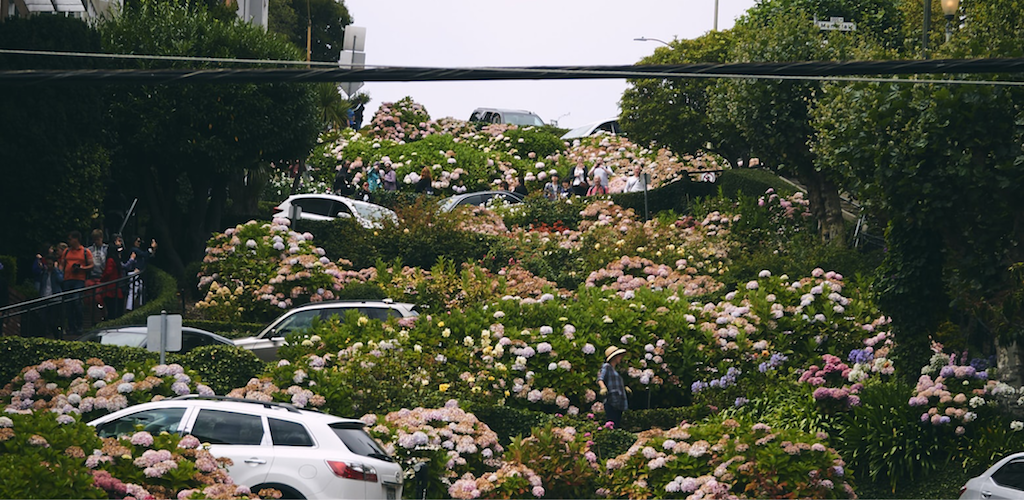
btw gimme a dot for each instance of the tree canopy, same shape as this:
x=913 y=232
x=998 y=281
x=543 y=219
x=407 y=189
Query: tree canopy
x=179 y=148
x=328 y=18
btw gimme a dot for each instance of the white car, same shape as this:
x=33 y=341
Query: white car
x=609 y=126
x=1004 y=480
x=330 y=207
x=266 y=343
x=304 y=454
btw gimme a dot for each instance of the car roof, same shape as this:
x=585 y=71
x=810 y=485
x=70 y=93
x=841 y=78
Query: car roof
x=270 y=408
x=503 y=110
x=587 y=130
x=373 y=302
x=143 y=329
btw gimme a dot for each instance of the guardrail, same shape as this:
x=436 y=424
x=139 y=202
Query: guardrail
x=94 y=293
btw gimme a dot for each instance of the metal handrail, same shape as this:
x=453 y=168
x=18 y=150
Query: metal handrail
x=28 y=306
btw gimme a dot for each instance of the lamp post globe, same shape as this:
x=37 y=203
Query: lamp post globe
x=949 y=8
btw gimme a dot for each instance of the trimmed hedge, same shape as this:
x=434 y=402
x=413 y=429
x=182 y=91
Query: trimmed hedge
x=508 y=422
x=662 y=418
x=221 y=367
x=678 y=196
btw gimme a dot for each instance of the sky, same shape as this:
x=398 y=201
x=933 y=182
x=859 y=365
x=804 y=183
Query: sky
x=473 y=33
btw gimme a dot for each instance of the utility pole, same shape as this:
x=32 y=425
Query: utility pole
x=309 y=34
x=927 y=27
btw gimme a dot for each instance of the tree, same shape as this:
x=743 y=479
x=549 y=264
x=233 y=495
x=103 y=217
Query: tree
x=943 y=164
x=674 y=112
x=774 y=115
x=54 y=164
x=180 y=148
x=328 y=18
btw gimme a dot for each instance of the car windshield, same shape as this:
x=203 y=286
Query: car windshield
x=372 y=212
x=130 y=339
x=522 y=119
x=448 y=203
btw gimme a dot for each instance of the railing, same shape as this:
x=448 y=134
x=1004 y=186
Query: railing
x=93 y=293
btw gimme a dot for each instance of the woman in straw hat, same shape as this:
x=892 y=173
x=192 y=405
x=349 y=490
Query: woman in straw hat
x=612 y=388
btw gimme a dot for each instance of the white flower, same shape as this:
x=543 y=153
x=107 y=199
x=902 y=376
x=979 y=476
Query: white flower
x=1016 y=425
x=976 y=401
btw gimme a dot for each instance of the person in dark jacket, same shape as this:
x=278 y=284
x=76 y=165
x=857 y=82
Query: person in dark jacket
x=613 y=389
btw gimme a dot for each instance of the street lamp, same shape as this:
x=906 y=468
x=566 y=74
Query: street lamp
x=643 y=39
x=949 y=8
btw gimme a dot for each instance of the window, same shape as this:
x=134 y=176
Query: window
x=298 y=321
x=224 y=427
x=286 y=433
x=358 y=441
x=381 y=313
x=340 y=207
x=151 y=421
x=191 y=340
x=318 y=206
x=1010 y=475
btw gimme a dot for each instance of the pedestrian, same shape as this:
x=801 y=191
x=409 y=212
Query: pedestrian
x=425 y=184
x=49 y=279
x=635 y=181
x=113 y=295
x=390 y=178
x=613 y=390
x=373 y=177
x=77 y=263
x=579 y=178
x=599 y=179
x=99 y=262
x=520 y=188
x=341 y=186
x=357 y=116
x=553 y=189
x=566 y=189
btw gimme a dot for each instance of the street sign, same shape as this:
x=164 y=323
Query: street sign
x=708 y=177
x=164 y=333
x=355 y=39
x=351 y=59
x=835 y=24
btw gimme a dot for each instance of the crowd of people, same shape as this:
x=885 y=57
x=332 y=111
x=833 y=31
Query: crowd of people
x=356 y=180
x=71 y=266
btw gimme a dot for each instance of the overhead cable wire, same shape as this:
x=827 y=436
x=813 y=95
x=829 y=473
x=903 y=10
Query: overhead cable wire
x=804 y=70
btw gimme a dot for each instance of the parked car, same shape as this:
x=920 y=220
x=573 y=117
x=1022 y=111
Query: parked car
x=511 y=116
x=302 y=453
x=477 y=198
x=137 y=336
x=609 y=126
x=266 y=343
x=329 y=207
x=1004 y=480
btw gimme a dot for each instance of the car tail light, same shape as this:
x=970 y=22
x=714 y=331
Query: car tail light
x=358 y=472
x=277 y=209
x=962 y=490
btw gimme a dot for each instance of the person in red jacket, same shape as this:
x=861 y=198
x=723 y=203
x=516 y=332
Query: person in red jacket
x=113 y=295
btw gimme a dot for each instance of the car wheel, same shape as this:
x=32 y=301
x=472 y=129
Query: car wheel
x=287 y=492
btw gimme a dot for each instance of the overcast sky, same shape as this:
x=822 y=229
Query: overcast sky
x=468 y=33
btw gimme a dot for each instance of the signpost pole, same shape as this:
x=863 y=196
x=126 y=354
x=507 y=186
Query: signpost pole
x=163 y=337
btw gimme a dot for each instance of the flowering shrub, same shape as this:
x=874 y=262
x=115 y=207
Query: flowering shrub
x=92 y=388
x=400 y=121
x=36 y=447
x=956 y=395
x=448 y=440
x=729 y=458
x=258 y=267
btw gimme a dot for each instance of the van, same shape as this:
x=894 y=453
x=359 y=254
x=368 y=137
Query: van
x=510 y=116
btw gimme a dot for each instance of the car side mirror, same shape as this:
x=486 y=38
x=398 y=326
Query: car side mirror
x=344 y=215
x=277 y=340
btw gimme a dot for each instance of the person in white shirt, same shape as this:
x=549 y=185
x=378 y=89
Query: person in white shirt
x=600 y=178
x=635 y=181
x=579 y=178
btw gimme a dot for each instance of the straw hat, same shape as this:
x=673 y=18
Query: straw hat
x=613 y=351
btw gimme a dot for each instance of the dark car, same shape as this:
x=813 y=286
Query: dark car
x=136 y=336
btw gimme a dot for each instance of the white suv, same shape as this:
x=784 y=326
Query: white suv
x=266 y=343
x=304 y=454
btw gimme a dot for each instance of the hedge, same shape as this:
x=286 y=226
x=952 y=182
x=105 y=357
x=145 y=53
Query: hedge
x=221 y=367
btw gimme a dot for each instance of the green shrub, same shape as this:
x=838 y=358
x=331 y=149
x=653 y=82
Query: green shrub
x=221 y=367
x=675 y=197
x=610 y=443
x=19 y=352
x=536 y=210
x=161 y=295
x=751 y=182
x=190 y=281
x=884 y=441
x=510 y=422
x=662 y=418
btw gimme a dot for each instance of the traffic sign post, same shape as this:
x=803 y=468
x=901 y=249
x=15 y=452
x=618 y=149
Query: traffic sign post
x=164 y=334
x=353 y=56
